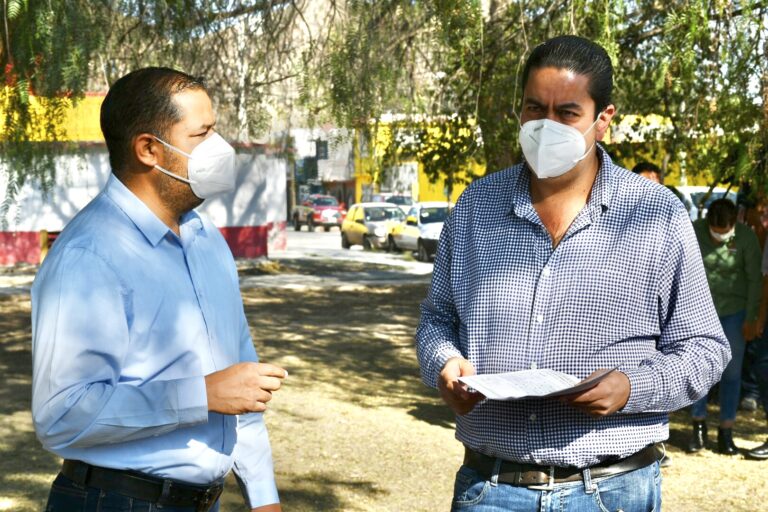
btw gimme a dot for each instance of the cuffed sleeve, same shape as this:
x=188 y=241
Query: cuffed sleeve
x=254 y=468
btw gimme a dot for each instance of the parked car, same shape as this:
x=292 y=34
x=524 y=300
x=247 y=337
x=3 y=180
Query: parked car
x=420 y=230
x=694 y=195
x=403 y=201
x=368 y=224
x=318 y=210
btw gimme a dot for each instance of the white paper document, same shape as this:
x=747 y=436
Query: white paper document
x=530 y=384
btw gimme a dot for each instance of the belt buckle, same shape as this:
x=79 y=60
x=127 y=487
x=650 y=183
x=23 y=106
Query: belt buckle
x=549 y=486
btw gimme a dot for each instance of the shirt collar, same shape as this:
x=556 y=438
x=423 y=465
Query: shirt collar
x=150 y=225
x=599 y=199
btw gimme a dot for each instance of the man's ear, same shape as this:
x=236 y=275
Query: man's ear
x=603 y=121
x=146 y=149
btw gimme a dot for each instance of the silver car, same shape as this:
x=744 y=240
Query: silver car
x=368 y=224
x=421 y=229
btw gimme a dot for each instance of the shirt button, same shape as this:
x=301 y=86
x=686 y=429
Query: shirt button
x=539 y=318
x=533 y=417
x=546 y=272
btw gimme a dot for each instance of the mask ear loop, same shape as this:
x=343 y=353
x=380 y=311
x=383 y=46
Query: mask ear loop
x=593 y=143
x=166 y=171
x=172 y=175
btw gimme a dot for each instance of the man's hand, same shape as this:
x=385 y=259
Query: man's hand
x=243 y=387
x=751 y=330
x=453 y=392
x=610 y=395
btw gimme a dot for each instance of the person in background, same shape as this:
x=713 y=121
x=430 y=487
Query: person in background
x=731 y=255
x=759 y=366
x=649 y=171
x=753 y=211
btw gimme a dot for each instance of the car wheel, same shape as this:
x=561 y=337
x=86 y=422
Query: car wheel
x=421 y=252
x=344 y=241
x=310 y=224
x=391 y=245
x=296 y=223
x=367 y=246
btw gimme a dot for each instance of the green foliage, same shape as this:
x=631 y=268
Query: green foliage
x=45 y=50
x=701 y=64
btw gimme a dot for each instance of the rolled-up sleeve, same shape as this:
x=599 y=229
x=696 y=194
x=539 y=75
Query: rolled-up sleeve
x=80 y=316
x=692 y=350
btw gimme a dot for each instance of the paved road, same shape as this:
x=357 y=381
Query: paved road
x=321 y=244
x=383 y=269
x=302 y=246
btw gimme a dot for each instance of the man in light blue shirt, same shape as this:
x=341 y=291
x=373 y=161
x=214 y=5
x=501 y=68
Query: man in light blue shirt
x=145 y=378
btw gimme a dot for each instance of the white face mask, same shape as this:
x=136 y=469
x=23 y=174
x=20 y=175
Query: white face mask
x=211 y=167
x=551 y=148
x=724 y=237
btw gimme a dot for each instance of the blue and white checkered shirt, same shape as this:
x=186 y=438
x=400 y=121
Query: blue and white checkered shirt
x=625 y=287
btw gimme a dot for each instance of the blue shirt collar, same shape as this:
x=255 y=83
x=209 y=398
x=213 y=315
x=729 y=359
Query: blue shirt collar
x=150 y=225
x=599 y=198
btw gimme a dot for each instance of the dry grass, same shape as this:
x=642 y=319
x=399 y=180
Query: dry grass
x=353 y=429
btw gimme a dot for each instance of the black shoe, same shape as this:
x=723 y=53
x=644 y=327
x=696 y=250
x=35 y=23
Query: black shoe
x=699 y=439
x=760 y=452
x=725 y=444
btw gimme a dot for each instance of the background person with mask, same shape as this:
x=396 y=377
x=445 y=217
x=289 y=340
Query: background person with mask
x=145 y=378
x=568 y=262
x=732 y=260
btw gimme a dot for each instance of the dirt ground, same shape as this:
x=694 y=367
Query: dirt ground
x=353 y=429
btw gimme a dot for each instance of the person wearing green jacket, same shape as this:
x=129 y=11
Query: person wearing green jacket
x=732 y=259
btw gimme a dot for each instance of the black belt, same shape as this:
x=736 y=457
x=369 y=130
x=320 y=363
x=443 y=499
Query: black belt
x=143 y=487
x=526 y=475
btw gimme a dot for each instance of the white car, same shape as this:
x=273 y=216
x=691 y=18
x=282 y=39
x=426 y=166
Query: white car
x=694 y=195
x=421 y=229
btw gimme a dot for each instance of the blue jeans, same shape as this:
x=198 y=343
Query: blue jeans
x=730 y=382
x=67 y=496
x=760 y=367
x=635 y=491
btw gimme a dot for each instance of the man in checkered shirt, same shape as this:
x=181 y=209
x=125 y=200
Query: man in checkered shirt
x=568 y=262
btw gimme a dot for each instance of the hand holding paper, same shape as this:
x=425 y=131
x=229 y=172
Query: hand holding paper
x=531 y=384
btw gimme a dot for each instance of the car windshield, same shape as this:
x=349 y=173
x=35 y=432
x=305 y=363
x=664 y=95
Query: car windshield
x=383 y=213
x=433 y=214
x=325 y=201
x=400 y=200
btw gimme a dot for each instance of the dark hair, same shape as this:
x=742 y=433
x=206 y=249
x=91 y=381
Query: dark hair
x=581 y=56
x=646 y=167
x=721 y=213
x=142 y=102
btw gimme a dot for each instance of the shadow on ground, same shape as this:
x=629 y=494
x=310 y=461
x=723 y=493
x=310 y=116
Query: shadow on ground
x=362 y=340
x=311 y=491
x=26 y=470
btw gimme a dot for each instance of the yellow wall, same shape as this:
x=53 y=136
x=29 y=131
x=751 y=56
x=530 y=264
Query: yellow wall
x=366 y=172
x=81 y=122
x=426 y=191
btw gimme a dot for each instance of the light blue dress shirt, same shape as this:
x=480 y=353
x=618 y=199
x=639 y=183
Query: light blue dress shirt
x=127 y=319
x=625 y=287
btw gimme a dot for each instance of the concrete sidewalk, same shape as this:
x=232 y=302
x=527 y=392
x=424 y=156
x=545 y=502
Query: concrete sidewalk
x=380 y=272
